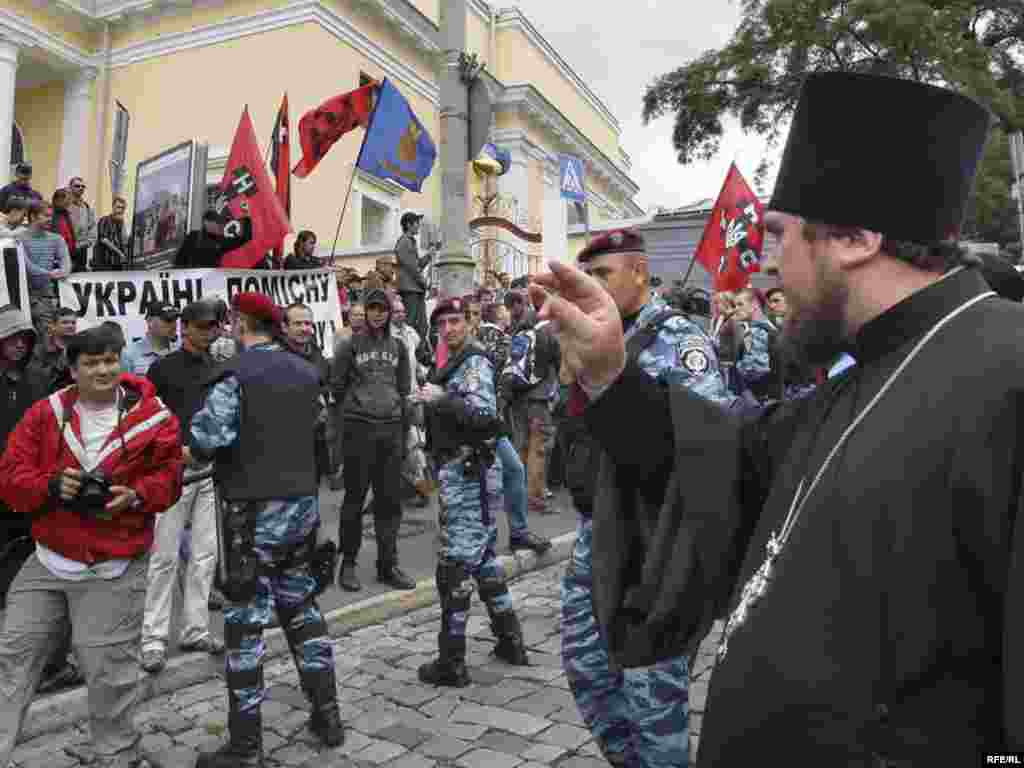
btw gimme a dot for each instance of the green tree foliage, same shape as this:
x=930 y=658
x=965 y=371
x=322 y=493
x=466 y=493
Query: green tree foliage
x=973 y=47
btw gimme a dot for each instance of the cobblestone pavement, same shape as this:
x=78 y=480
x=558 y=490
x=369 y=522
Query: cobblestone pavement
x=510 y=717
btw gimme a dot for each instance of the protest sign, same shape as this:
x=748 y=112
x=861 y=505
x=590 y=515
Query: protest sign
x=124 y=296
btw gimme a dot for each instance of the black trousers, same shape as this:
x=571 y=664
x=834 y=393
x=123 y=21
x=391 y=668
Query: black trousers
x=416 y=311
x=373 y=456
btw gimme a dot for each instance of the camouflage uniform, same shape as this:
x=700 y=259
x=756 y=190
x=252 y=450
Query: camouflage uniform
x=286 y=587
x=755 y=362
x=468 y=536
x=639 y=716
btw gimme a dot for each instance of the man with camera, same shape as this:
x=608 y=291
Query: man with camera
x=266 y=476
x=91 y=465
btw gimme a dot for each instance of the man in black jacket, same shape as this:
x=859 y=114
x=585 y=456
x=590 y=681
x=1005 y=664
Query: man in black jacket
x=371 y=380
x=206 y=247
x=299 y=337
x=19 y=388
x=179 y=378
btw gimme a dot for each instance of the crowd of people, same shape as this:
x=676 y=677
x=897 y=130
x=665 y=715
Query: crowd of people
x=833 y=467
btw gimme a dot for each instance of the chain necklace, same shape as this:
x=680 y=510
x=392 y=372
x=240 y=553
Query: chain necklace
x=757 y=585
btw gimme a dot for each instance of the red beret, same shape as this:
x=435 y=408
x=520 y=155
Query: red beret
x=616 y=241
x=257 y=305
x=454 y=305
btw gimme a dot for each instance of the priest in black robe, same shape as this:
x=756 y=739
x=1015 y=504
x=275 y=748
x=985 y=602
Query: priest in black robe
x=861 y=543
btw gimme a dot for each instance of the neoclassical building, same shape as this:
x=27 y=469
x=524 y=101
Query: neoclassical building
x=184 y=69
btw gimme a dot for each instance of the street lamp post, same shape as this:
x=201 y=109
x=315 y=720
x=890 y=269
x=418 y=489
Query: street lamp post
x=455 y=268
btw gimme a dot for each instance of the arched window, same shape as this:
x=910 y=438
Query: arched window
x=18 y=154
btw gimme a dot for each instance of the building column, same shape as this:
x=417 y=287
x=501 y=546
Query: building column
x=8 y=77
x=77 y=109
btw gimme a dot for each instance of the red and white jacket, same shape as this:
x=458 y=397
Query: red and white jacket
x=143 y=453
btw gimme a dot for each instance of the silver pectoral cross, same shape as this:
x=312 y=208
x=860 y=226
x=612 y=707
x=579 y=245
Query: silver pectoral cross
x=753 y=590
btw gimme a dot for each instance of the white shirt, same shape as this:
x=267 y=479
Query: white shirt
x=97 y=424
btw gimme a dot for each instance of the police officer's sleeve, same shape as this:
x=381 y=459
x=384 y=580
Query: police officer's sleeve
x=755 y=361
x=683 y=354
x=217 y=423
x=474 y=406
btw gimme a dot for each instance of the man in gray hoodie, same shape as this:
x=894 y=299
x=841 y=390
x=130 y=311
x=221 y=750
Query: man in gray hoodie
x=371 y=380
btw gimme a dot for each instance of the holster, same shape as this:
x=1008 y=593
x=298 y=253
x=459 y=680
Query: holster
x=322 y=563
x=240 y=557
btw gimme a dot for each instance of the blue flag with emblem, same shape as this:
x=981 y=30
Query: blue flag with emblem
x=396 y=145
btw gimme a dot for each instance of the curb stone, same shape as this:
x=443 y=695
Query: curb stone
x=64 y=710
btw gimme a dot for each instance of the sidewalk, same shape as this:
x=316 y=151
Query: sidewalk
x=510 y=717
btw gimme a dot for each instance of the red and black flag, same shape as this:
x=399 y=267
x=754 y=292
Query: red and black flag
x=280 y=166
x=733 y=238
x=247 y=203
x=320 y=128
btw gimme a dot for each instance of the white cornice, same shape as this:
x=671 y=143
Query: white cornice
x=305 y=11
x=529 y=101
x=513 y=18
x=409 y=21
x=27 y=34
x=481 y=9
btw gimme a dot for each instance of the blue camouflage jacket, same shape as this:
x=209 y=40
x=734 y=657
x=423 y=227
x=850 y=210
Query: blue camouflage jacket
x=683 y=354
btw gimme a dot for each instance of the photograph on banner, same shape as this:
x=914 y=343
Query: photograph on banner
x=125 y=296
x=163 y=187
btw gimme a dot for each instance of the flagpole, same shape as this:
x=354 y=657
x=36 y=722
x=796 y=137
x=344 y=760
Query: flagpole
x=352 y=176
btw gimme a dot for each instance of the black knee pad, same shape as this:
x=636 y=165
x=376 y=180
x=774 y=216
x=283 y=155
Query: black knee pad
x=234 y=634
x=492 y=587
x=309 y=630
x=451 y=577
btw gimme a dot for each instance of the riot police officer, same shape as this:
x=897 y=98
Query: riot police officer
x=266 y=477
x=462 y=427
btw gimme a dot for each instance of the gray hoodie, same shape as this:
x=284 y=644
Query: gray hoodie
x=371 y=375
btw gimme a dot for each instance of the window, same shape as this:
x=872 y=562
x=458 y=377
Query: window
x=17 y=145
x=375 y=221
x=575 y=213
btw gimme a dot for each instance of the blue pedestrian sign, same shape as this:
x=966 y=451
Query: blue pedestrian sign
x=571 y=178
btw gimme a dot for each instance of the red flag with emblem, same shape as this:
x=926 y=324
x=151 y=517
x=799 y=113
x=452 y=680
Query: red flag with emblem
x=320 y=128
x=248 y=205
x=733 y=240
x=280 y=167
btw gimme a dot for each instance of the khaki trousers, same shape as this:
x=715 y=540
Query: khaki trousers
x=533 y=433
x=105 y=617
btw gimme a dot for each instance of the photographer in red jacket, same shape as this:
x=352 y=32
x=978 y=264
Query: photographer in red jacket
x=92 y=465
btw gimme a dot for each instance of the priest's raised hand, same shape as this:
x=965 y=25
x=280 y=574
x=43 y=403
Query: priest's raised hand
x=588 y=323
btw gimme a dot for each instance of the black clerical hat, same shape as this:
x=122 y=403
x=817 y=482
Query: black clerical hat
x=893 y=156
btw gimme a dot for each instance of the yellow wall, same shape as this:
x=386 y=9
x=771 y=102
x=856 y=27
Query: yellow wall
x=355 y=13
x=58 y=25
x=39 y=112
x=478 y=39
x=520 y=62
x=211 y=114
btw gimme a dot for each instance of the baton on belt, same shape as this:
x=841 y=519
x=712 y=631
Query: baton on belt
x=222 y=560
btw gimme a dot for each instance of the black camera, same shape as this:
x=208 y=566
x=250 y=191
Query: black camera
x=94 y=495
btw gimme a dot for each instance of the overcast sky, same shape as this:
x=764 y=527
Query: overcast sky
x=618 y=49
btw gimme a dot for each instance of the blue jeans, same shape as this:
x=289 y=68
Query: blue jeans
x=514 y=480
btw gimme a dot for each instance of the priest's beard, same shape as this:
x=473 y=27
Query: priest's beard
x=814 y=332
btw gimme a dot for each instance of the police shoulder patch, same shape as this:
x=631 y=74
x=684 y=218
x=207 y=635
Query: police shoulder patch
x=695 y=360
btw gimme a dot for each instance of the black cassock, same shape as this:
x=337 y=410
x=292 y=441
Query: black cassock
x=892 y=629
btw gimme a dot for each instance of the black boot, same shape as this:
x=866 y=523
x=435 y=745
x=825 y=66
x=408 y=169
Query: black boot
x=325 y=721
x=347 y=577
x=394 y=577
x=509 y=634
x=449 y=668
x=245 y=747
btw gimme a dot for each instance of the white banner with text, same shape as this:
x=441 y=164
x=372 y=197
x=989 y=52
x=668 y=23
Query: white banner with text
x=124 y=296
